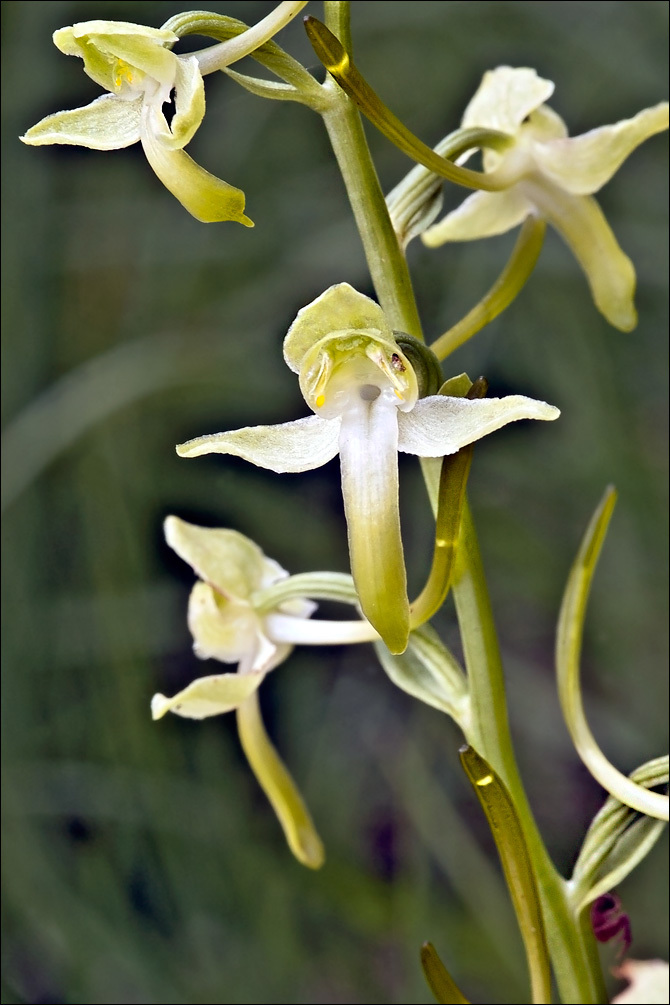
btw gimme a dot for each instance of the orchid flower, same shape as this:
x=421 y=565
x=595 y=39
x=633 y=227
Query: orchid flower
x=548 y=174
x=364 y=392
x=230 y=621
x=135 y=64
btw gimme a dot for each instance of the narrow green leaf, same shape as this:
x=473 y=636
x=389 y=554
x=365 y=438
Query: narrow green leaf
x=334 y=57
x=440 y=981
x=517 y=866
x=568 y=650
x=274 y=89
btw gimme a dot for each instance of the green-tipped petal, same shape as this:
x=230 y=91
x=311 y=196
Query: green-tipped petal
x=483 y=214
x=139 y=51
x=369 y=462
x=207 y=198
x=279 y=787
x=582 y=224
x=229 y=561
x=108 y=123
x=583 y=164
x=441 y=425
x=289 y=447
x=338 y=311
x=208 y=696
x=189 y=106
x=505 y=97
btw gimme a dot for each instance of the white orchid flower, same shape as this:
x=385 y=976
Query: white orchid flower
x=135 y=64
x=230 y=621
x=363 y=391
x=547 y=173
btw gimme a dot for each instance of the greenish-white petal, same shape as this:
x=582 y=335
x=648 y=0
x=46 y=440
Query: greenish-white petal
x=189 y=106
x=582 y=224
x=338 y=311
x=230 y=631
x=482 y=214
x=108 y=123
x=505 y=97
x=137 y=51
x=369 y=462
x=439 y=425
x=207 y=198
x=208 y=696
x=583 y=164
x=229 y=561
x=288 y=447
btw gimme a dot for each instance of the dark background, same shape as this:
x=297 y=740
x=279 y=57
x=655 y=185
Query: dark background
x=142 y=863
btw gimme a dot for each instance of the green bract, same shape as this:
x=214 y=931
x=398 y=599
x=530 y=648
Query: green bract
x=548 y=174
x=361 y=386
x=135 y=64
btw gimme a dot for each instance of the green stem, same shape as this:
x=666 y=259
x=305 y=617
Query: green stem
x=572 y=948
x=571 y=945
x=384 y=256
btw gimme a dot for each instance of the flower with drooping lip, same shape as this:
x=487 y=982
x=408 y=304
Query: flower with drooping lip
x=547 y=173
x=135 y=64
x=230 y=620
x=363 y=390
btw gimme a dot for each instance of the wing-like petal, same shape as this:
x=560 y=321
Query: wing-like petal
x=208 y=696
x=232 y=563
x=108 y=123
x=505 y=97
x=206 y=197
x=289 y=447
x=583 y=164
x=482 y=214
x=582 y=224
x=189 y=106
x=369 y=462
x=440 y=425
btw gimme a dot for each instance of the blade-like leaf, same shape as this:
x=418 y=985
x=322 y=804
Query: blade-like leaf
x=568 y=649
x=440 y=981
x=517 y=866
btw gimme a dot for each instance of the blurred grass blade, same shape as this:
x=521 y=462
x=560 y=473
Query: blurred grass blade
x=336 y=60
x=617 y=840
x=451 y=498
x=439 y=979
x=568 y=650
x=279 y=787
x=517 y=866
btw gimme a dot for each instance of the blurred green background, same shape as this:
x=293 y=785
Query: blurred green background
x=141 y=861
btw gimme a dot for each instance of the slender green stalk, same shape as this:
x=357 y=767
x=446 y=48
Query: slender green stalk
x=571 y=945
x=385 y=259
x=572 y=950
x=507 y=286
